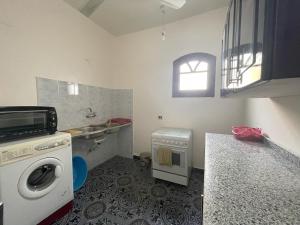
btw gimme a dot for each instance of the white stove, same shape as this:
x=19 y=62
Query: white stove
x=179 y=142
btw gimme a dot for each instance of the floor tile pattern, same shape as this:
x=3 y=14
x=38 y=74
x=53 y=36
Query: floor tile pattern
x=122 y=192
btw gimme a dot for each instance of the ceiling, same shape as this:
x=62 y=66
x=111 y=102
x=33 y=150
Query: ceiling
x=126 y=16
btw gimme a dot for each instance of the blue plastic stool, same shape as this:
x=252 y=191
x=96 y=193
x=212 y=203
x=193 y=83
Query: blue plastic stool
x=80 y=172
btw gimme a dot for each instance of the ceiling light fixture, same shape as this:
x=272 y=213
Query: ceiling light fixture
x=90 y=7
x=174 y=4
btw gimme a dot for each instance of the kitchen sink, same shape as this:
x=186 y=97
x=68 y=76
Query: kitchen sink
x=90 y=132
x=106 y=125
x=89 y=129
x=110 y=127
x=95 y=130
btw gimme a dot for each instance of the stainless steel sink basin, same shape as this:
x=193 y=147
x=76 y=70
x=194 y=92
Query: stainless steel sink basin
x=105 y=125
x=97 y=130
x=110 y=128
x=92 y=131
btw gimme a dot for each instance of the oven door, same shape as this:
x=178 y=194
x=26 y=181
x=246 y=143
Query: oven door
x=179 y=160
x=22 y=122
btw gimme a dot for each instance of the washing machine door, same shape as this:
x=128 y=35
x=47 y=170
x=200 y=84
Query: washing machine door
x=40 y=178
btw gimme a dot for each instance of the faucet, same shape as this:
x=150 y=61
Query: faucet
x=90 y=114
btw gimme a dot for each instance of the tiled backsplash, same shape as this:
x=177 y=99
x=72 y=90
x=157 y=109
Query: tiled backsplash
x=72 y=109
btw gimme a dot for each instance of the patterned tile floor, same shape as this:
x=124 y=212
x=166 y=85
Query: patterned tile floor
x=122 y=192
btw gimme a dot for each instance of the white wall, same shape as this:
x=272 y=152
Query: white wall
x=50 y=39
x=144 y=62
x=279 y=118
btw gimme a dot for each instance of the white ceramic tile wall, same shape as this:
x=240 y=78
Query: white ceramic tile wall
x=72 y=110
x=124 y=145
x=121 y=100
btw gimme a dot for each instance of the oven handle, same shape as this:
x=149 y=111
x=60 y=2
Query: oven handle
x=29 y=111
x=172 y=147
x=1 y=213
x=202 y=202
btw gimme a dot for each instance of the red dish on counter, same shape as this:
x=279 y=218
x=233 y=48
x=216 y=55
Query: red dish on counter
x=247 y=133
x=121 y=121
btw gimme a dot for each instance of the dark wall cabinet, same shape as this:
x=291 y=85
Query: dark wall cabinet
x=261 y=48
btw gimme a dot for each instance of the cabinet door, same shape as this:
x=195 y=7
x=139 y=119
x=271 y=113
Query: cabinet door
x=230 y=47
x=242 y=44
x=251 y=41
x=225 y=77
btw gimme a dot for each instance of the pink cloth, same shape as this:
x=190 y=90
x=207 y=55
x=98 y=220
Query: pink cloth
x=247 y=133
x=121 y=121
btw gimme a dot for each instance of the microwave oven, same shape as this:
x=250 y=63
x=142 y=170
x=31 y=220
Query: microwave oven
x=19 y=122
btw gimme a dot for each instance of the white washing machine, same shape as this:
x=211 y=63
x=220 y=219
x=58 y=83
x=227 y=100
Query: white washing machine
x=179 y=142
x=35 y=178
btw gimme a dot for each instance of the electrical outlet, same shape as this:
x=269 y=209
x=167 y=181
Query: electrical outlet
x=160 y=117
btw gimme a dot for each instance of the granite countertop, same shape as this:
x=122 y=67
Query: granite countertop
x=249 y=183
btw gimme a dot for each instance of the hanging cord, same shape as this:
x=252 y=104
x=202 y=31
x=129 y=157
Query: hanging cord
x=163 y=32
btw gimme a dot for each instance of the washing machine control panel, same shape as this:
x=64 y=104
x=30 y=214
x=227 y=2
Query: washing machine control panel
x=18 y=152
x=15 y=153
x=52 y=145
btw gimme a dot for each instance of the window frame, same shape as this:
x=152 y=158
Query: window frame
x=211 y=73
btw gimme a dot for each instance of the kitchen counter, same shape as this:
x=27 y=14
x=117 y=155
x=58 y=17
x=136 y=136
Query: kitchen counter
x=249 y=183
x=78 y=132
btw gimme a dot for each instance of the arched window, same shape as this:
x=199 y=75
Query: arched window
x=194 y=75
